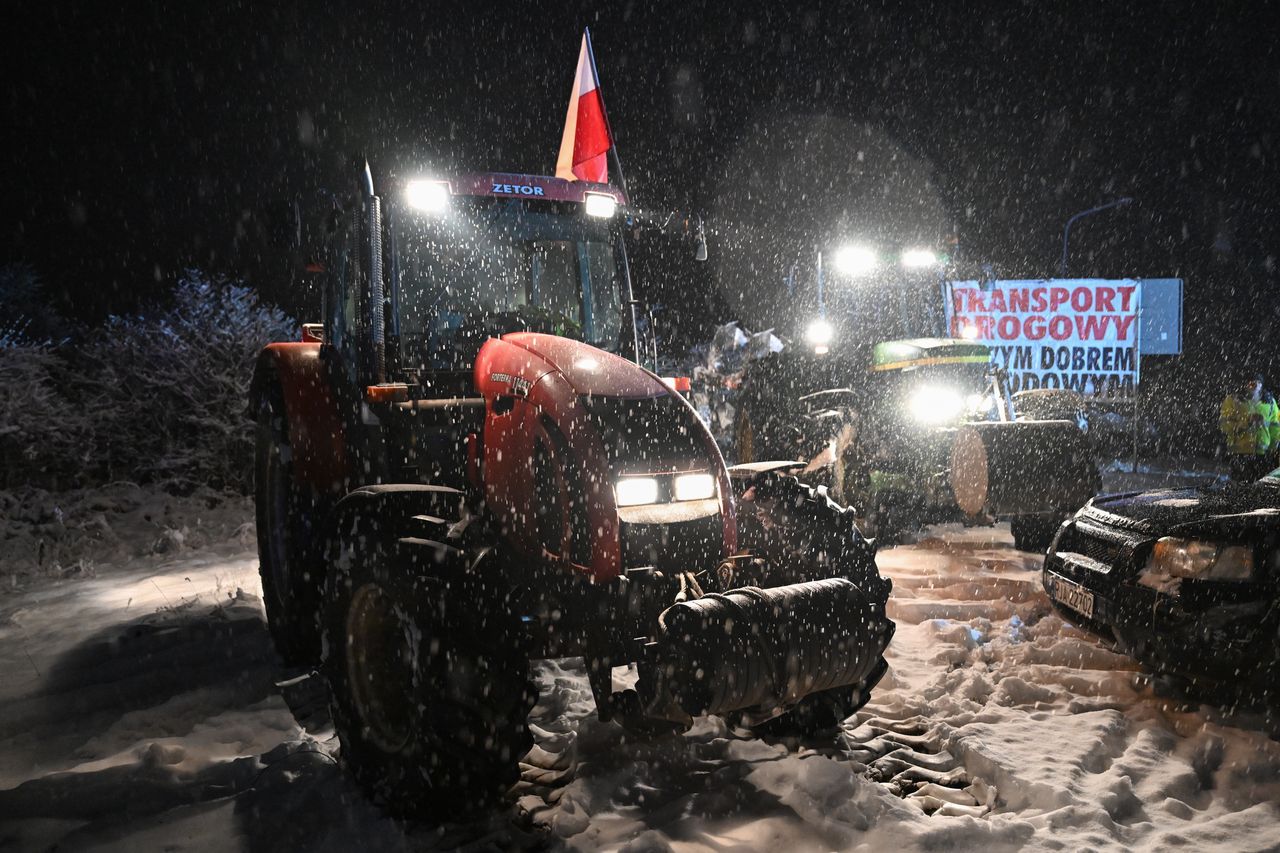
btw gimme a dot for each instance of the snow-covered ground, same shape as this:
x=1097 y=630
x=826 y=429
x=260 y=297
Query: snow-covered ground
x=138 y=711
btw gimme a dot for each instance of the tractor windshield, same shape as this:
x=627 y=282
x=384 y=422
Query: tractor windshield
x=490 y=266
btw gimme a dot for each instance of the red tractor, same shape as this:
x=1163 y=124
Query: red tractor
x=461 y=470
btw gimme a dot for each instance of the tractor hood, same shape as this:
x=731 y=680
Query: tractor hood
x=590 y=371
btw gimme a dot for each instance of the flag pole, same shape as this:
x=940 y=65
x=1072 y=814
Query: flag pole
x=632 y=302
x=613 y=140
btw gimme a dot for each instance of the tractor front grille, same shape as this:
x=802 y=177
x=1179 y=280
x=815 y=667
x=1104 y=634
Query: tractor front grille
x=691 y=545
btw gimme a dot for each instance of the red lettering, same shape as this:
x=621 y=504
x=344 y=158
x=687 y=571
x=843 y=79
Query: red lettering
x=1124 y=324
x=1057 y=297
x=1093 y=327
x=985 y=327
x=1018 y=299
x=1038 y=301
x=1126 y=296
x=1082 y=299
x=973 y=302
x=1104 y=298
x=1060 y=328
x=1033 y=328
x=1008 y=327
x=996 y=303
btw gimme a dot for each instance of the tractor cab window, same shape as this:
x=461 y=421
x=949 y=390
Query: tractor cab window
x=491 y=266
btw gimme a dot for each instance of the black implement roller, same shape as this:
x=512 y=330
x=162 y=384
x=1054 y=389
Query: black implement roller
x=762 y=649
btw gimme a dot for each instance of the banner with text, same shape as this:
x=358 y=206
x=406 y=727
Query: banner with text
x=1079 y=334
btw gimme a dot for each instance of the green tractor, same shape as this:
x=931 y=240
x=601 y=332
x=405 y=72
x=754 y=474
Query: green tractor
x=915 y=432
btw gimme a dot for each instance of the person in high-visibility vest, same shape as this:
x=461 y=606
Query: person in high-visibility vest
x=1245 y=423
x=1271 y=417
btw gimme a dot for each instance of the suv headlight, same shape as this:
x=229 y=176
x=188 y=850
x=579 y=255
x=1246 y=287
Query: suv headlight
x=1200 y=560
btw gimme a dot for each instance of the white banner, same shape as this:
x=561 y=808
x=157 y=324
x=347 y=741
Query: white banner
x=1080 y=334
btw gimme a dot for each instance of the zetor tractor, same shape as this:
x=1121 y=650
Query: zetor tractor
x=916 y=432
x=462 y=470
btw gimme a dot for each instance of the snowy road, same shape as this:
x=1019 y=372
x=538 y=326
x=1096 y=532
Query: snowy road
x=138 y=711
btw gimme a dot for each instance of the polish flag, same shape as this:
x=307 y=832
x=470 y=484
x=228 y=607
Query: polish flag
x=584 y=148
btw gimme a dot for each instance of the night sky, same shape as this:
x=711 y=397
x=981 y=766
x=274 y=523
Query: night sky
x=159 y=135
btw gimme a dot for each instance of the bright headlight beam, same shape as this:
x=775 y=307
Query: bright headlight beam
x=600 y=205
x=819 y=332
x=855 y=260
x=428 y=196
x=933 y=404
x=695 y=487
x=634 y=491
x=919 y=258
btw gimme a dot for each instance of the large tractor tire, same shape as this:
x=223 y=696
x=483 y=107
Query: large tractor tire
x=287 y=515
x=427 y=678
x=790 y=525
x=1035 y=532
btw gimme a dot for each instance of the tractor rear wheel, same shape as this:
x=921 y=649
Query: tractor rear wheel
x=286 y=514
x=428 y=685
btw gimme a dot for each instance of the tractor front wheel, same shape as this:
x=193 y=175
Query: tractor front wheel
x=1034 y=532
x=428 y=689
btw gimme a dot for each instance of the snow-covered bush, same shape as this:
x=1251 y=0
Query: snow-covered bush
x=169 y=386
x=42 y=432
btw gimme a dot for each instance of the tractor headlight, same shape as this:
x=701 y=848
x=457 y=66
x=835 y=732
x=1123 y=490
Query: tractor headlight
x=695 y=487
x=634 y=491
x=1200 y=560
x=428 y=196
x=935 y=404
x=600 y=205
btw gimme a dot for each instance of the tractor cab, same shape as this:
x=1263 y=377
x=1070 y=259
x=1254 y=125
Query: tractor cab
x=430 y=269
x=492 y=254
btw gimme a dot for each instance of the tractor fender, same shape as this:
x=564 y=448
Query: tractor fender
x=317 y=435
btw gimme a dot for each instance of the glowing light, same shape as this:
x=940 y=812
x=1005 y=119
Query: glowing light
x=918 y=258
x=600 y=205
x=695 y=487
x=935 y=404
x=969 y=333
x=855 y=260
x=633 y=491
x=819 y=333
x=428 y=196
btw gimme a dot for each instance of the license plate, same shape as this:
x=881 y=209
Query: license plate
x=1072 y=595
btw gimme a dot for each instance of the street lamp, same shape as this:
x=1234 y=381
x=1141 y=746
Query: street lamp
x=1066 y=231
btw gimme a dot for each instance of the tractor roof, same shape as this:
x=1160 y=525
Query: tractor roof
x=922 y=352
x=509 y=185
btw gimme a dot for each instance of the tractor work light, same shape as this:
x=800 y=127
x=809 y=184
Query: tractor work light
x=428 y=196
x=600 y=205
x=935 y=404
x=695 y=487
x=919 y=259
x=634 y=491
x=819 y=333
x=855 y=260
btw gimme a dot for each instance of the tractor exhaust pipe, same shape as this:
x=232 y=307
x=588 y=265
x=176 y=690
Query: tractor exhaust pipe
x=762 y=650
